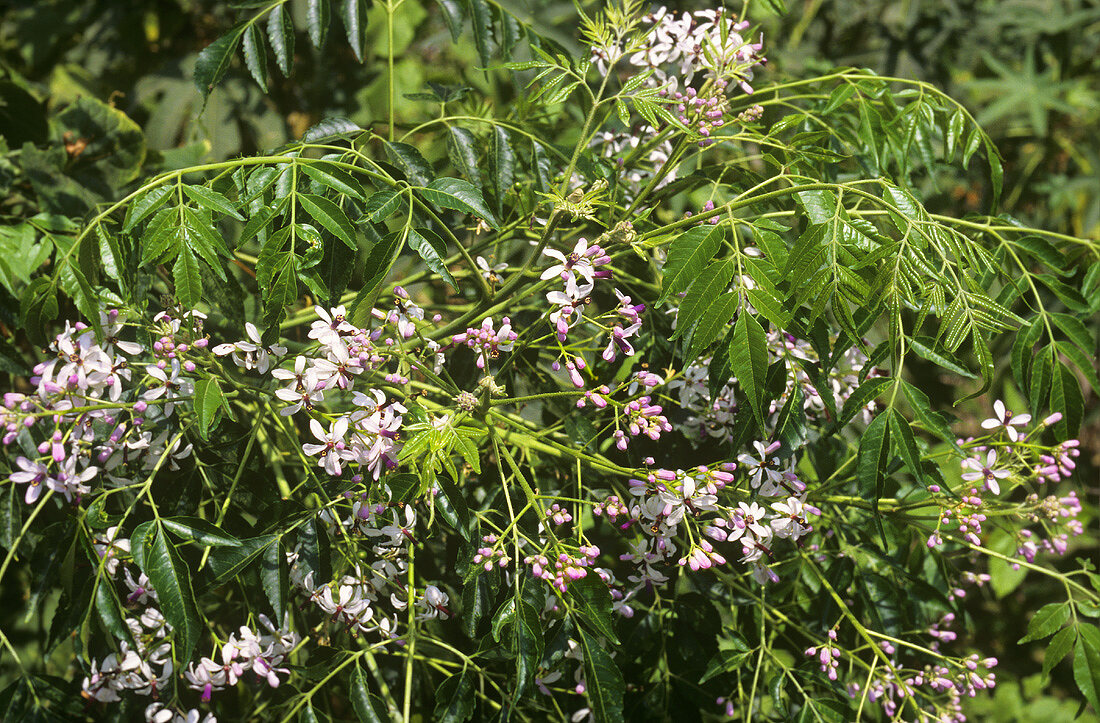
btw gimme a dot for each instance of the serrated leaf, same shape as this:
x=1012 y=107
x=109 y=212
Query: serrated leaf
x=383 y=203
x=874 y=454
x=930 y=419
x=379 y=261
x=1086 y=663
x=924 y=349
x=687 y=257
x=280 y=33
x=144 y=205
x=1065 y=397
x=317 y=21
x=605 y=682
x=411 y=162
x=330 y=216
x=255 y=56
x=214 y=60
x=1046 y=621
x=368 y=708
x=454 y=698
x=713 y=323
x=462 y=150
x=433 y=250
x=502 y=164
x=481 y=15
x=454 y=15
x=333 y=178
x=209 y=398
x=459 y=195
x=748 y=354
x=707 y=286
x=901 y=435
x=330 y=127
x=592 y=601
x=198 y=530
x=354 y=16
x=212 y=200
x=169 y=576
x=188 y=281
x=1058 y=648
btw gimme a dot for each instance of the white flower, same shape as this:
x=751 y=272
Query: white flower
x=1006 y=419
x=33 y=474
x=333 y=449
x=985 y=471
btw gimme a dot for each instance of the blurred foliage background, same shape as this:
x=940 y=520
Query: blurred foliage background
x=96 y=94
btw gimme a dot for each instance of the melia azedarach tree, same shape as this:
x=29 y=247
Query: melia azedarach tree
x=604 y=403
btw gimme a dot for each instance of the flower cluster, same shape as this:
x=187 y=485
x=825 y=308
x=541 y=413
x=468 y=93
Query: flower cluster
x=261 y=653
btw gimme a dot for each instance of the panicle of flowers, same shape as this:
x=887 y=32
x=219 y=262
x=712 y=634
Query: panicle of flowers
x=250 y=353
x=259 y=652
x=487 y=341
x=490 y=555
x=642 y=417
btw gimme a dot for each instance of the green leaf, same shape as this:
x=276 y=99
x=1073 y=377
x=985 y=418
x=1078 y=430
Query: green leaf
x=417 y=170
x=452 y=506
x=459 y=195
x=996 y=170
x=227 y=562
x=1083 y=363
x=874 y=455
x=280 y=32
x=748 y=354
x=214 y=60
x=196 y=529
x=454 y=698
x=255 y=56
x=330 y=216
x=383 y=203
x=707 y=286
x=1058 y=648
x=379 y=262
x=275 y=578
x=955 y=126
x=863 y=395
x=170 y=578
x=110 y=609
x=144 y=205
x=462 y=150
x=317 y=21
x=354 y=15
x=212 y=200
x=713 y=323
x=332 y=127
x=454 y=15
x=687 y=257
x=482 y=17
x=1075 y=331
x=925 y=350
x=931 y=420
x=906 y=445
x=185 y=275
x=1046 y=621
x=433 y=250
x=1086 y=664
x=37 y=308
x=1065 y=397
x=605 y=683
x=331 y=177
x=209 y=398
x=502 y=164
x=592 y=600
x=111 y=255
x=524 y=640
x=368 y=708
